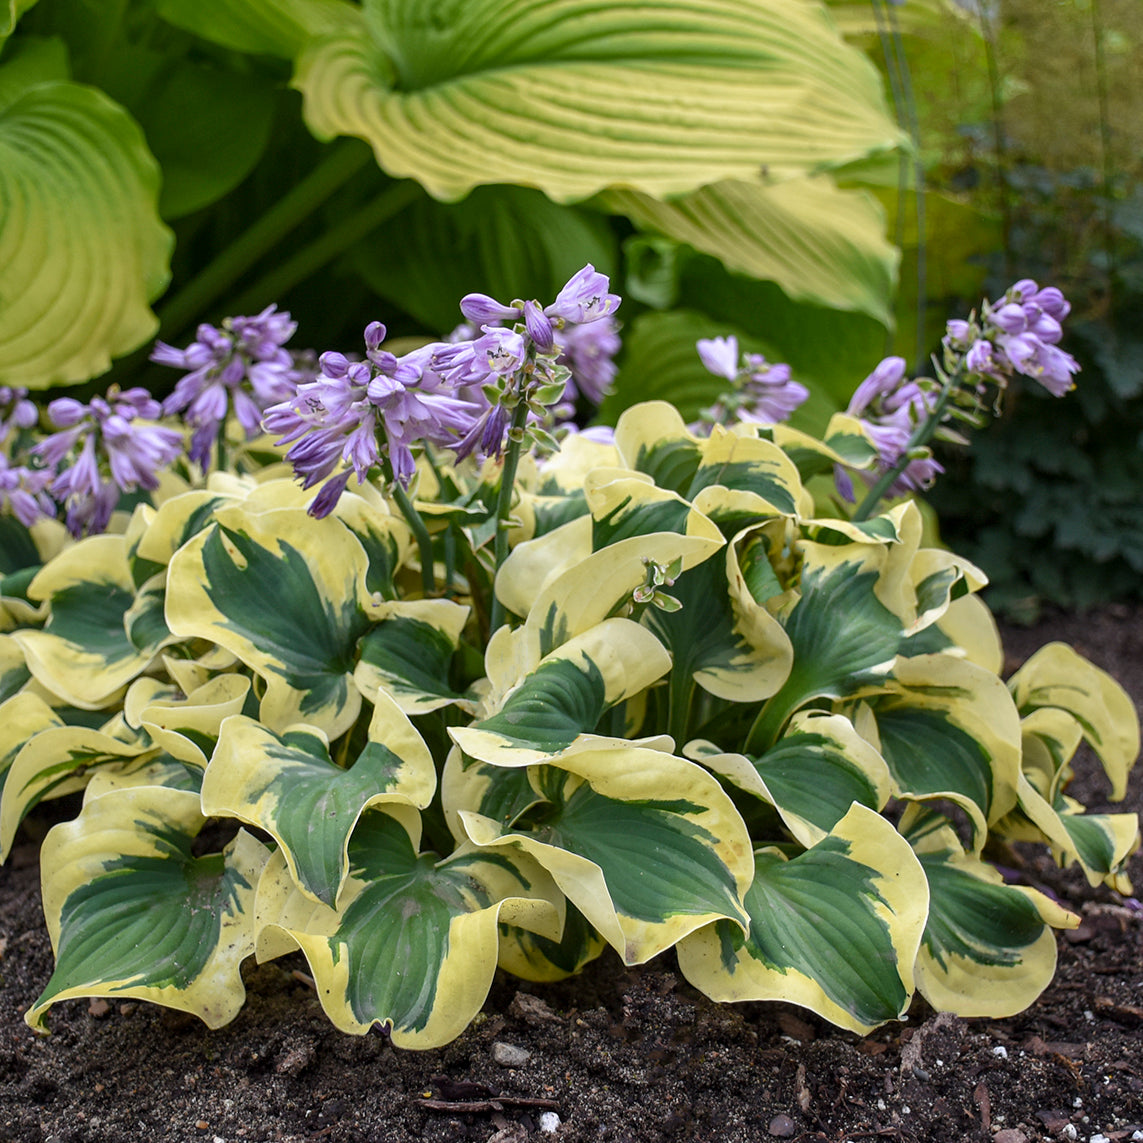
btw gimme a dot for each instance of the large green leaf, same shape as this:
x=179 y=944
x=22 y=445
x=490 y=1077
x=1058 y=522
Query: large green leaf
x=835 y=929
x=820 y=244
x=413 y=943
x=82 y=250
x=132 y=912
x=572 y=97
x=269 y=27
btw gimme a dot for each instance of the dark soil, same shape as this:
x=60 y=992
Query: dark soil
x=618 y=1054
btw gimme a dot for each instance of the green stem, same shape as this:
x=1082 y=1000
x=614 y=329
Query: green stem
x=921 y=436
x=504 y=505
x=420 y=533
x=292 y=208
x=333 y=242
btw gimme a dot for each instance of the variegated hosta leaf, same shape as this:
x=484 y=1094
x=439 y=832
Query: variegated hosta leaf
x=719 y=639
x=531 y=956
x=646 y=845
x=82 y=246
x=743 y=478
x=820 y=244
x=188 y=727
x=660 y=97
x=567 y=694
x=1100 y=843
x=844 y=637
x=14 y=671
x=966 y=628
x=85 y=654
x=175 y=521
x=1057 y=676
x=653 y=438
x=289 y=786
x=988 y=949
x=413 y=943
x=131 y=911
x=601 y=585
x=835 y=929
x=811 y=775
x=949 y=729
x=939 y=579
x=54 y=762
x=844 y=442
x=22 y=717
x=287 y=594
x=146 y=770
x=409 y=652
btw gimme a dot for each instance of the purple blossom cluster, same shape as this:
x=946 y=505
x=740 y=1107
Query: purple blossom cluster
x=761 y=393
x=16 y=411
x=241 y=367
x=460 y=394
x=104 y=451
x=890 y=407
x=1018 y=334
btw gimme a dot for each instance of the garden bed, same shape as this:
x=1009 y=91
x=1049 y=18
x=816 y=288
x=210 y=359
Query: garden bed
x=617 y=1054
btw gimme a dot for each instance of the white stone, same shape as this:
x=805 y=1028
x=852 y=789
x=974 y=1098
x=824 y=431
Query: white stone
x=549 y=1122
x=1000 y=1052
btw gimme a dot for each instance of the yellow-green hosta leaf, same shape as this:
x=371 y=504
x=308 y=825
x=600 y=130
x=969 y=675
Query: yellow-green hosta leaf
x=188 y=727
x=82 y=248
x=653 y=438
x=1099 y=843
x=844 y=638
x=843 y=442
x=719 y=639
x=743 y=478
x=14 y=671
x=835 y=929
x=22 y=716
x=966 y=628
x=409 y=652
x=84 y=654
x=55 y=761
x=811 y=775
x=1057 y=676
x=146 y=770
x=413 y=943
x=821 y=244
x=571 y=98
x=988 y=949
x=532 y=956
x=285 y=593
x=175 y=521
x=287 y=785
x=131 y=911
x=949 y=729
x=646 y=845
x=567 y=694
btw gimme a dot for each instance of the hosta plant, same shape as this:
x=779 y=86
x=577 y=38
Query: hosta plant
x=505 y=694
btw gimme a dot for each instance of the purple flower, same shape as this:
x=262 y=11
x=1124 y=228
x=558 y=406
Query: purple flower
x=1019 y=334
x=23 y=492
x=584 y=298
x=240 y=367
x=16 y=411
x=589 y=352
x=890 y=407
x=339 y=422
x=761 y=393
x=109 y=453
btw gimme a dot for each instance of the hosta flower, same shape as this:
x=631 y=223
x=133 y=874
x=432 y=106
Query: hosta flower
x=339 y=423
x=240 y=367
x=104 y=451
x=761 y=393
x=589 y=352
x=16 y=411
x=1018 y=334
x=23 y=492
x=890 y=407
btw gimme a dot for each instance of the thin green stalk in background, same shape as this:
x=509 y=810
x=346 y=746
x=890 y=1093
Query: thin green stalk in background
x=293 y=208
x=504 y=503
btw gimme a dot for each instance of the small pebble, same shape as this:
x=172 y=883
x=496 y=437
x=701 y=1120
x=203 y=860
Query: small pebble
x=1099 y=1137
x=1010 y=1135
x=1000 y=1052
x=549 y=1122
x=1077 y=1102
x=921 y=1074
x=782 y=1127
x=509 y=1055
x=1069 y=1132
